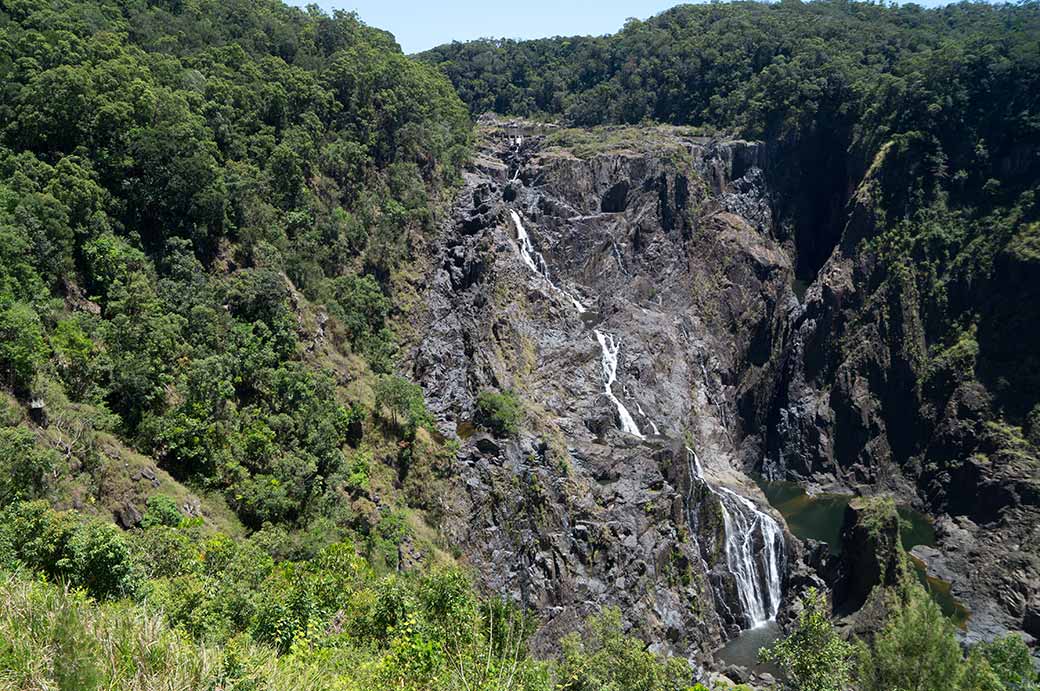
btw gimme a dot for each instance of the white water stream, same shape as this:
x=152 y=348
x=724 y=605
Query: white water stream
x=536 y=262
x=610 y=349
x=653 y=427
x=754 y=542
x=754 y=550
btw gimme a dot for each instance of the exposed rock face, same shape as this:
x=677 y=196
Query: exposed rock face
x=666 y=247
x=871 y=553
x=855 y=407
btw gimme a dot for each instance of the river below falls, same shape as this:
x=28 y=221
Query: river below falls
x=819 y=517
x=743 y=650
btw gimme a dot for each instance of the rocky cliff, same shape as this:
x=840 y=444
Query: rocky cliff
x=635 y=288
x=870 y=399
x=630 y=283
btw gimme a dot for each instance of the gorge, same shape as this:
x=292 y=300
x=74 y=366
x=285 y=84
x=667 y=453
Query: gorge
x=699 y=356
x=499 y=321
x=669 y=240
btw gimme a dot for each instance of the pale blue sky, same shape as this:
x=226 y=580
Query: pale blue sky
x=419 y=24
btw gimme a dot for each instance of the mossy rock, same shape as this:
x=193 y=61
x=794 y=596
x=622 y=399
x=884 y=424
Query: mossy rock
x=872 y=553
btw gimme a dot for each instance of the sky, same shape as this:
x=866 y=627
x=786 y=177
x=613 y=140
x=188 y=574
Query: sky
x=422 y=24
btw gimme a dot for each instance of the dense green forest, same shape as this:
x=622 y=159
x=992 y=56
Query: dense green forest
x=213 y=216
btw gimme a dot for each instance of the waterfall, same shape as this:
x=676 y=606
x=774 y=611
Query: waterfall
x=536 y=262
x=754 y=542
x=755 y=551
x=617 y=257
x=752 y=555
x=610 y=364
x=653 y=427
x=518 y=142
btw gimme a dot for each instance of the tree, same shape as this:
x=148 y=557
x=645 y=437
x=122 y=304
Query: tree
x=404 y=401
x=814 y=657
x=1011 y=662
x=22 y=347
x=500 y=411
x=915 y=651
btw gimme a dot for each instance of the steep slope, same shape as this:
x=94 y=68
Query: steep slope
x=903 y=163
x=876 y=396
x=625 y=286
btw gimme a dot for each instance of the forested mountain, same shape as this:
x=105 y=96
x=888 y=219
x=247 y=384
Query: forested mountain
x=210 y=214
x=827 y=83
x=175 y=177
x=309 y=382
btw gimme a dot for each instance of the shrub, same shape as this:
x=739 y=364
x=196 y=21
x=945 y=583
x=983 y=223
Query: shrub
x=499 y=411
x=165 y=552
x=25 y=470
x=605 y=658
x=814 y=657
x=359 y=470
x=98 y=558
x=161 y=510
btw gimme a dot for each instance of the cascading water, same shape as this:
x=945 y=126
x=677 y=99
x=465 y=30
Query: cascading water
x=754 y=543
x=518 y=142
x=536 y=262
x=755 y=551
x=653 y=427
x=610 y=364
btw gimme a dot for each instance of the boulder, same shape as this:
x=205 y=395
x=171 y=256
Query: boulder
x=872 y=554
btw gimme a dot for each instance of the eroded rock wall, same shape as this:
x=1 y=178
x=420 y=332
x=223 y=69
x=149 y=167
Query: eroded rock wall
x=666 y=245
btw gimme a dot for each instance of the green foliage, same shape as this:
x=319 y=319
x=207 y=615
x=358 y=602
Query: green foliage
x=605 y=659
x=917 y=629
x=360 y=305
x=403 y=401
x=915 y=650
x=955 y=363
x=97 y=557
x=359 y=470
x=75 y=356
x=1033 y=425
x=91 y=554
x=26 y=470
x=813 y=657
x=22 y=348
x=54 y=638
x=161 y=510
x=499 y=411
x=1010 y=661
x=176 y=180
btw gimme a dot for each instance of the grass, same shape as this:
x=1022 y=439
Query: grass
x=53 y=638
